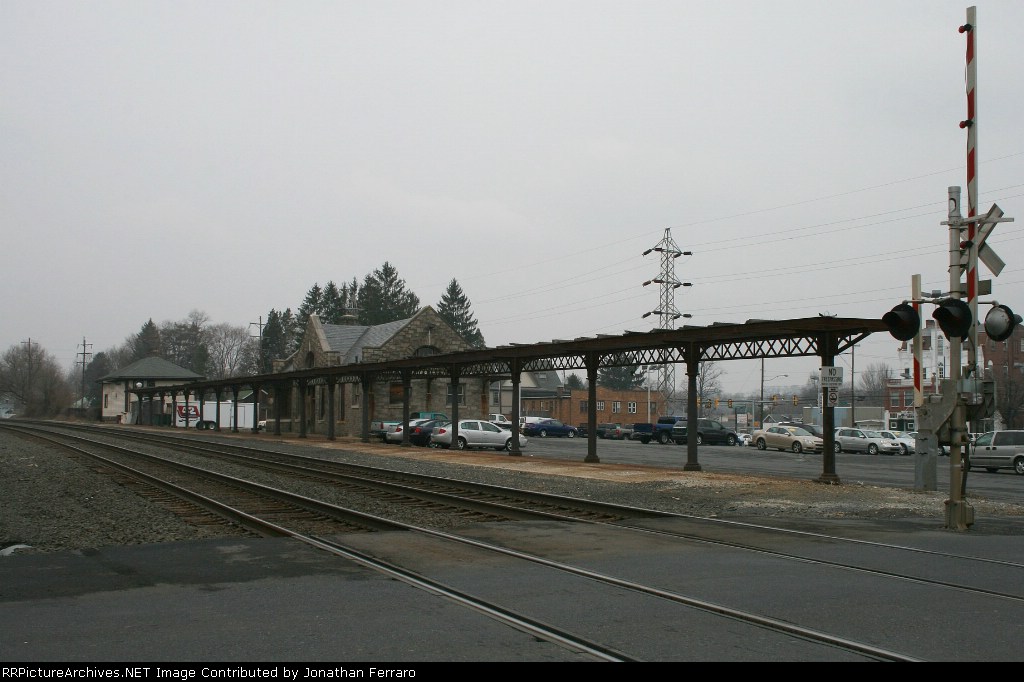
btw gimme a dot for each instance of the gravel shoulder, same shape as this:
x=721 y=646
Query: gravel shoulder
x=49 y=502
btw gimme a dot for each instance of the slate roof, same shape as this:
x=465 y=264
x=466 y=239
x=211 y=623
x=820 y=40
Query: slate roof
x=152 y=367
x=349 y=340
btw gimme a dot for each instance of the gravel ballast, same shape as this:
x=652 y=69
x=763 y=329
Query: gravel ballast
x=50 y=502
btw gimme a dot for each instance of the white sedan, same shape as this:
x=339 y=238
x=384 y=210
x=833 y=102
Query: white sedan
x=475 y=433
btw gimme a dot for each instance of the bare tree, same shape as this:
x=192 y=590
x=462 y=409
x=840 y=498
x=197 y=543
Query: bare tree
x=232 y=351
x=32 y=377
x=1010 y=398
x=709 y=380
x=873 y=381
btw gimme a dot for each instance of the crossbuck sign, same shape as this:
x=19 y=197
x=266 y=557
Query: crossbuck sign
x=831 y=377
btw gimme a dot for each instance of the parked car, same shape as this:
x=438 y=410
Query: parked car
x=420 y=434
x=709 y=432
x=744 y=439
x=943 y=449
x=602 y=429
x=792 y=438
x=618 y=432
x=427 y=415
x=859 y=440
x=549 y=427
x=997 y=450
x=908 y=444
x=582 y=430
x=813 y=428
x=474 y=433
x=396 y=432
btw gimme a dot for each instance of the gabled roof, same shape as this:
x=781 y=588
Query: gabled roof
x=349 y=340
x=152 y=367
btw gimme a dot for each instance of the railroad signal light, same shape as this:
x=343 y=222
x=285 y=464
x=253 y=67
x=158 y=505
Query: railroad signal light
x=1000 y=323
x=954 y=318
x=796 y=399
x=903 y=321
x=729 y=403
x=775 y=398
x=716 y=403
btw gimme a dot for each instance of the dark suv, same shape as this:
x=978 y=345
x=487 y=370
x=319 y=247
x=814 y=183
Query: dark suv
x=709 y=432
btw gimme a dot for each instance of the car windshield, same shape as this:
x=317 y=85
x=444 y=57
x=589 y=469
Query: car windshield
x=800 y=432
x=872 y=434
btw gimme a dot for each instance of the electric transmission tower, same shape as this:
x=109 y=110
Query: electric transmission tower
x=667 y=311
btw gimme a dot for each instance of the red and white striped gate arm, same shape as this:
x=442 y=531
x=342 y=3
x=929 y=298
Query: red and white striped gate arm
x=971 y=124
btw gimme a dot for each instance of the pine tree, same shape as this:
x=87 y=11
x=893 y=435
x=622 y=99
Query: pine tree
x=146 y=342
x=276 y=340
x=332 y=304
x=311 y=305
x=620 y=378
x=454 y=308
x=384 y=298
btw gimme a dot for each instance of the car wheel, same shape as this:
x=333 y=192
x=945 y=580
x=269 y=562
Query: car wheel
x=461 y=444
x=508 y=445
x=730 y=440
x=904 y=450
x=542 y=433
x=1018 y=465
x=663 y=438
x=700 y=439
x=837 y=448
x=797 y=448
x=571 y=434
x=872 y=449
x=761 y=445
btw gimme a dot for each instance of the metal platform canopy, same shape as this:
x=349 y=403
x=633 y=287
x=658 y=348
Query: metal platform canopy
x=825 y=337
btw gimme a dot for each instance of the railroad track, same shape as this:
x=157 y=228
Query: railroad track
x=814 y=553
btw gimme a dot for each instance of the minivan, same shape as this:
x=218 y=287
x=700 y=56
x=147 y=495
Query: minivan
x=997 y=450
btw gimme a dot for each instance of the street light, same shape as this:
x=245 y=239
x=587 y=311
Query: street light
x=778 y=376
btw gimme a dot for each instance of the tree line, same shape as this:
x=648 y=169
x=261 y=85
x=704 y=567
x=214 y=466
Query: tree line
x=35 y=383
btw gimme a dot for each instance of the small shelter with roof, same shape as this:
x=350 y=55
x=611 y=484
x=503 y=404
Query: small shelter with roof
x=120 y=404
x=331 y=345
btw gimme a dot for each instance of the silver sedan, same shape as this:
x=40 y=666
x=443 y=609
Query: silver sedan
x=475 y=433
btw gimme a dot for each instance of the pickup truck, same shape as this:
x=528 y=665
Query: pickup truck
x=379 y=428
x=500 y=419
x=660 y=432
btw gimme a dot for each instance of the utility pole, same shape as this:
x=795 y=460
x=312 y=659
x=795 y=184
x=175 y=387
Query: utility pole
x=667 y=311
x=259 y=326
x=85 y=354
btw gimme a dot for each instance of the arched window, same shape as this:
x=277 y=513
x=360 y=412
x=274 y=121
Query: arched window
x=310 y=359
x=426 y=351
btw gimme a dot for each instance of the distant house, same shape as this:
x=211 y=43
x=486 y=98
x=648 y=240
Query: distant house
x=330 y=345
x=117 y=401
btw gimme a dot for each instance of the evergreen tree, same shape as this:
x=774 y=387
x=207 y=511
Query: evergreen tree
x=311 y=305
x=620 y=378
x=454 y=308
x=147 y=342
x=277 y=339
x=574 y=382
x=97 y=368
x=384 y=298
x=332 y=304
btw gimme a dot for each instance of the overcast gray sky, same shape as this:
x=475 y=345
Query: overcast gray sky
x=164 y=157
